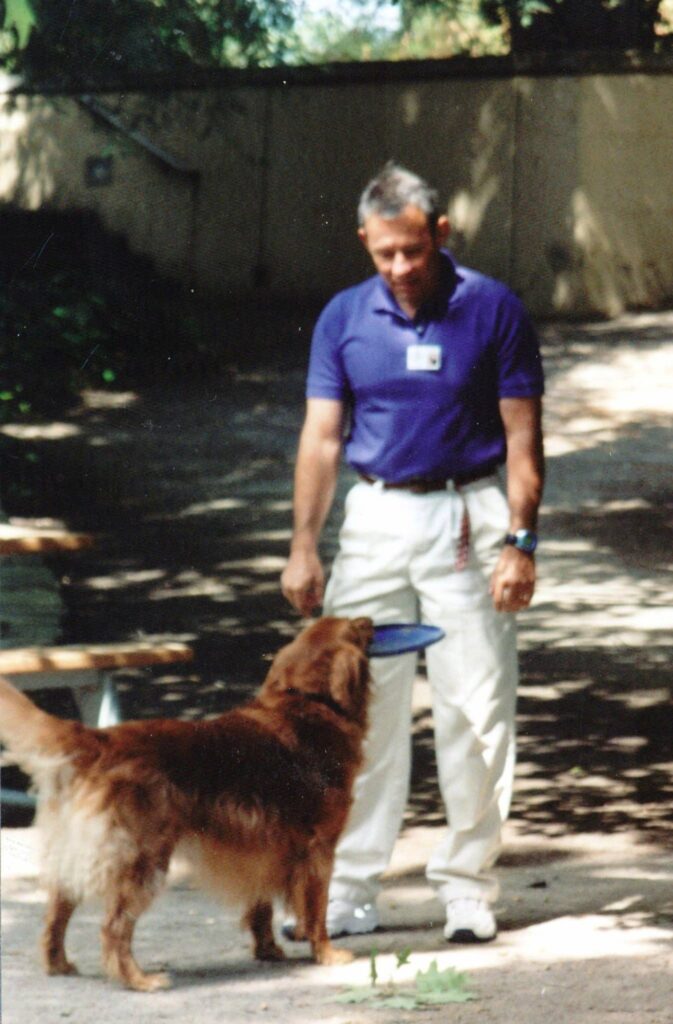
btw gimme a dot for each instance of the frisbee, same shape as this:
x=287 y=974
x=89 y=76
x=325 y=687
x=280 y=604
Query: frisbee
x=400 y=638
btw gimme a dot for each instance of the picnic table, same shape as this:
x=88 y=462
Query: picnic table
x=85 y=669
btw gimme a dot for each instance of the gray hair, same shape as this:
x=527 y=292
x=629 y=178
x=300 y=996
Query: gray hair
x=392 y=190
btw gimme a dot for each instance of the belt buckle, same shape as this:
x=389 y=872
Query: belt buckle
x=424 y=486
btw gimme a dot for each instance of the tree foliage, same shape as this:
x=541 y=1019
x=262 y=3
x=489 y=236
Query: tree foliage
x=558 y=24
x=74 y=39
x=450 y=30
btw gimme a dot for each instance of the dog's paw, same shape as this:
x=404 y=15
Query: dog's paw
x=269 y=951
x=330 y=956
x=150 y=982
x=61 y=967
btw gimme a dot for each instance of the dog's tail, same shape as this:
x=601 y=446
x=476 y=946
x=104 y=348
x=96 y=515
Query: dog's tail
x=29 y=734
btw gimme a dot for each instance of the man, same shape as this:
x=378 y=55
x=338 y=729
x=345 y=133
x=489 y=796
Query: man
x=433 y=374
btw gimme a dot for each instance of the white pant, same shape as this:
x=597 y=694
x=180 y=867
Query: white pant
x=397 y=563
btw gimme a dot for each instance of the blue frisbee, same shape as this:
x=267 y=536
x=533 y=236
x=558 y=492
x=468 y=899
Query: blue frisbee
x=400 y=638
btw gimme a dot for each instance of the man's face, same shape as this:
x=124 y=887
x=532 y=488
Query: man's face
x=405 y=252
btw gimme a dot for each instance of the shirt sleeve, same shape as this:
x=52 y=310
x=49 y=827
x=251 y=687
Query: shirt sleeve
x=326 y=377
x=520 y=373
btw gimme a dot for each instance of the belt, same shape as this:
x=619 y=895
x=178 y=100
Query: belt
x=423 y=485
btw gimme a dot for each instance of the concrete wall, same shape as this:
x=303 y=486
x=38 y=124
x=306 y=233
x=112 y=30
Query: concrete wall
x=559 y=185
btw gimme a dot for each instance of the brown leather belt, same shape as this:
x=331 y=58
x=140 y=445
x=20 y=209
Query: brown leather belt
x=422 y=485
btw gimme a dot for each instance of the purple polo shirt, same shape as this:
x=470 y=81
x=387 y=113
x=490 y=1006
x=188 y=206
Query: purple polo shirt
x=431 y=423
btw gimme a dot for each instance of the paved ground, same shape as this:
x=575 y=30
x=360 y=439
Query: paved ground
x=189 y=491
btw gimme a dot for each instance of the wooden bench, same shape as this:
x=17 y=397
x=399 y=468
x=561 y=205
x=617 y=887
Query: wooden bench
x=27 y=540
x=85 y=669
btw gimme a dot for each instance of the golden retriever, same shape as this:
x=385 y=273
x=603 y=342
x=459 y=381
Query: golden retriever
x=256 y=799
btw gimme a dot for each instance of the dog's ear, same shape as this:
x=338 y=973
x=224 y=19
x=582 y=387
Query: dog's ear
x=362 y=631
x=277 y=678
x=349 y=682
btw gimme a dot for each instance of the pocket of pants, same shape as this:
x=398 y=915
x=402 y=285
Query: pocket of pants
x=489 y=517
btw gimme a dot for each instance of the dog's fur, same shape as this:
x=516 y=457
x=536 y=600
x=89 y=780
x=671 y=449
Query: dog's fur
x=257 y=798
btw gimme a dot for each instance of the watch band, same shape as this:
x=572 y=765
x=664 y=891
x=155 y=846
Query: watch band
x=522 y=540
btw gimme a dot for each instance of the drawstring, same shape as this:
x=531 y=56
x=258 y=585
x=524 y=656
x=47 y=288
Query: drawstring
x=463 y=549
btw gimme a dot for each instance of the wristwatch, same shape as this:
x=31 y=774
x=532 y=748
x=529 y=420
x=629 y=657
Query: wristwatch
x=524 y=540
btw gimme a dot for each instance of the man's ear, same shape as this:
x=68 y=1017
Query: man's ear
x=442 y=229
x=362 y=235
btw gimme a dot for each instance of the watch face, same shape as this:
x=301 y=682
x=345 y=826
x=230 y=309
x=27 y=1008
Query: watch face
x=526 y=541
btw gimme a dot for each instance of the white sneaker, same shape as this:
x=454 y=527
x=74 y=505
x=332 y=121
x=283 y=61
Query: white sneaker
x=343 y=918
x=469 y=920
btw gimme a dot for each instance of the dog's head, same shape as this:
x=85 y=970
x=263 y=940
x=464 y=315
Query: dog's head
x=328 y=659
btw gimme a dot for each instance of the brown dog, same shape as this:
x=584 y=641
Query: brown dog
x=256 y=798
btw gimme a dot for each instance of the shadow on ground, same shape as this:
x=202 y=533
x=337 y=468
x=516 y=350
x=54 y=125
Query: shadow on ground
x=188 y=489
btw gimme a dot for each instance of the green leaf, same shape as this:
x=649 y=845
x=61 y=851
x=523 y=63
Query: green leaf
x=19 y=15
x=399 y=1002
x=6 y=396
x=403 y=956
x=448 y=986
x=373 y=973
x=443 y=998
x=355 y=995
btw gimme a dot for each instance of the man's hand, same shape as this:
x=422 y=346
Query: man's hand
x=513 y=580
x=303 y=581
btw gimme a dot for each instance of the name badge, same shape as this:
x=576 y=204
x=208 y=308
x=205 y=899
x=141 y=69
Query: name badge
x=424 y=357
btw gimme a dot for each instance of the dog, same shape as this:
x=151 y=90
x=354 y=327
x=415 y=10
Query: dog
x=256 y=799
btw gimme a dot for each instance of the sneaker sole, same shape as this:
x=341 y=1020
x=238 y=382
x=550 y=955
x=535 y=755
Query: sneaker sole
x=345 y=933
x=466 y=935
x=288 y=932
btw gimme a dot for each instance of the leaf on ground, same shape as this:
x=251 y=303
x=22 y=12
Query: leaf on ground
x=431 y=988
x=356 y=995
x=403 y=957
x=448 y=986
x=442 y=998
x=398 y=1002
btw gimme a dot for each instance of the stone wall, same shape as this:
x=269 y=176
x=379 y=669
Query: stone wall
x=556 y=182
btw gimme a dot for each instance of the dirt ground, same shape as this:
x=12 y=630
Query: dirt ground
x=188 y=489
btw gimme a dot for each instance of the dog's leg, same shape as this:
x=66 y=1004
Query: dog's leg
x=124 y=907
x=59 y=911
x=313 y=897
x=259 y=919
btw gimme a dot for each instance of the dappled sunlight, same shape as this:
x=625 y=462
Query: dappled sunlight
x=216 y=505
x=95 y=399
x=626 y=382
x=40 y=431
x=587 y=937
x=410 y=105
x=193 y=524
x=595 y=710
x=191 y=583
x=28 y=150
x=467 y=210
x=259 y=564
x=122 y=579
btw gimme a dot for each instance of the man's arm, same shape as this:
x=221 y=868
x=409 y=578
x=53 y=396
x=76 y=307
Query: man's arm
x=513 y=580
x=316 y=473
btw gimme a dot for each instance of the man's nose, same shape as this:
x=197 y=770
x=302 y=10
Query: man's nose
x=401 y=265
